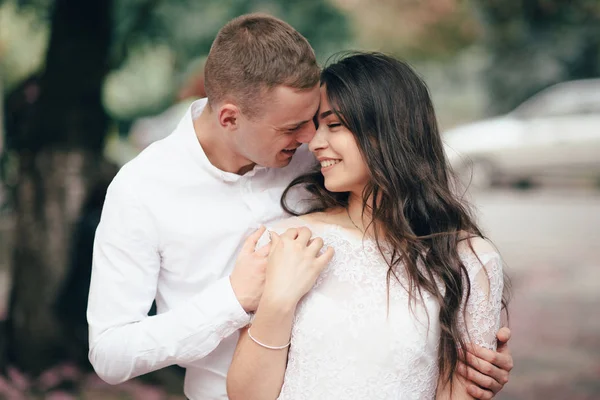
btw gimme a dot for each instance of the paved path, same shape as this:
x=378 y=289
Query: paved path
x=551 y=242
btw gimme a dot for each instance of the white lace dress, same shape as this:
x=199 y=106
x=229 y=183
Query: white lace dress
x=345 y=343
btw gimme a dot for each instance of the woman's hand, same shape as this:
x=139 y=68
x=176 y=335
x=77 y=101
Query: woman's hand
x=293 y=265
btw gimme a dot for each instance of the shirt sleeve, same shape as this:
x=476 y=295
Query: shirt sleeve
x=124 y=341
x=480 y=314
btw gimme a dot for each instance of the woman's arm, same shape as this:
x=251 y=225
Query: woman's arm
x=257 y=372
x=293 y=266
x=474 y=376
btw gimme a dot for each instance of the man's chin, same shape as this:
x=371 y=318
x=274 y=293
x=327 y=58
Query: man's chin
x=279 y=162
x=282 y=163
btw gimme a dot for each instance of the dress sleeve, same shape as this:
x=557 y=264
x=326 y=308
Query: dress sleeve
x=480 y=313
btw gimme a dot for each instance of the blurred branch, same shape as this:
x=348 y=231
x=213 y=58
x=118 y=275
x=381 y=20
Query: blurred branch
x=137 y=29
x=423 y=29
x=41 y=7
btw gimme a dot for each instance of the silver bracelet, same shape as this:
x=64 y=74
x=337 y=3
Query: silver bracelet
x=266 y=346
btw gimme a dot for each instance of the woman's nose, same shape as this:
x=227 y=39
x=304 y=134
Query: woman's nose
x=318 y=141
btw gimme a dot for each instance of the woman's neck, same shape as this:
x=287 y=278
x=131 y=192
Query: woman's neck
x=356 y=216
x=362 y=220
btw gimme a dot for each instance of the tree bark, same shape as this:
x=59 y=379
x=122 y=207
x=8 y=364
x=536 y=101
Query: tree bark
x=4 y=233
x=60 y=156
x=52 y=186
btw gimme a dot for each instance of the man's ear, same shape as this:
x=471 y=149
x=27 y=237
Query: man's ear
x=229 y=115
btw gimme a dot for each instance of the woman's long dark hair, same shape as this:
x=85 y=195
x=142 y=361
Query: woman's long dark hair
x=387 y=107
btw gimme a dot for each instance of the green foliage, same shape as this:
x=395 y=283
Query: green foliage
x=23 y=40
x=189 y=26
x=143 y=29
x=325 y=27
x=536 y=43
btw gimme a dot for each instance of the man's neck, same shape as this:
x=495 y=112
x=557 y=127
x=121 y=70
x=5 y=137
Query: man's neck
x=216 y=145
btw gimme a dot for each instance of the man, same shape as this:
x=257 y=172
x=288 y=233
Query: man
x=175 y=217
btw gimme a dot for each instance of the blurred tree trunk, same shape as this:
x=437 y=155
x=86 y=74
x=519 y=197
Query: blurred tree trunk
x=1 y=110
x=60 y=155
x=3 y=234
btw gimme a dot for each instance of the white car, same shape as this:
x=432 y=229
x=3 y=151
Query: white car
x=554 y=133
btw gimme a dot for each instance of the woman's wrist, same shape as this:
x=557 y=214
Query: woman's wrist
x=274 y=304
x=272 y=322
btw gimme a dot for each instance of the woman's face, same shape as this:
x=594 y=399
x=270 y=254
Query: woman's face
x=335 y=147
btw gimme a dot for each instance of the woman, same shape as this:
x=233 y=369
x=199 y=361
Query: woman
x=412 y=279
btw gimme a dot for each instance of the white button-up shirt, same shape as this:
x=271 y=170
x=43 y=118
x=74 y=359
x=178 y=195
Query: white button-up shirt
x=171 y=228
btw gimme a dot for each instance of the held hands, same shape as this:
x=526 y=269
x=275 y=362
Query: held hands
x=485 y=370
x=293 y=262
x=293 y=265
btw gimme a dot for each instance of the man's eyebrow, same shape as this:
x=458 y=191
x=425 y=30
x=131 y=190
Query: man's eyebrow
x=295 y=125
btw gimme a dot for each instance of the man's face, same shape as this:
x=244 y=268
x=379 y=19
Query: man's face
x=270 y=140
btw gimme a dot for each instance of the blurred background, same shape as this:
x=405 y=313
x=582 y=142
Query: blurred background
x=85 y=85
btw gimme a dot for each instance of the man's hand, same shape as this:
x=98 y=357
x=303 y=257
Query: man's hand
x=248 y=276
x=487 y=371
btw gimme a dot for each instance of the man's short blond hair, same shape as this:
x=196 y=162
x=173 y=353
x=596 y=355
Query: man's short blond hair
x=254 y=53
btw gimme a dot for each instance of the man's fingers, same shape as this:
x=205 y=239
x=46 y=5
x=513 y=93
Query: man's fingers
x=489 y=369
x=250 y=243
x=274 y=239
x=502 y=360
x=478 y=392
x=474 y=376
x=264 y=251
x=503 y=335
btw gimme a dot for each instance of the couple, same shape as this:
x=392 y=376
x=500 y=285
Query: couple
x=411 y=285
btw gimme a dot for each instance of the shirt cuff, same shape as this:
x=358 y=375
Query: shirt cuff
x=220 y=315
x=229 y=304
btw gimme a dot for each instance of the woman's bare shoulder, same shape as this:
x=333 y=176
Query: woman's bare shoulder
x=329 y=217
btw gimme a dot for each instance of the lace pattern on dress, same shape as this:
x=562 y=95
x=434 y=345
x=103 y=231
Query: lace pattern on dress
x=347 y=344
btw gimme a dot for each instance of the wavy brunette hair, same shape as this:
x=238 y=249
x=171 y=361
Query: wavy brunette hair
x=414 y=209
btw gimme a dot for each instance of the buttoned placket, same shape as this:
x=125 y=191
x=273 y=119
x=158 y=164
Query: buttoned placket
x=250 y=198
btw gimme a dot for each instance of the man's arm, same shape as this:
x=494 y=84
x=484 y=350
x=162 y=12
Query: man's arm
x=124 y=341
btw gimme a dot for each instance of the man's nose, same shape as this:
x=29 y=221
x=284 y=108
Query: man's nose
x=307 y=134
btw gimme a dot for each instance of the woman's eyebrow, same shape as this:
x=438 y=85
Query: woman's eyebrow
x=325 y=114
